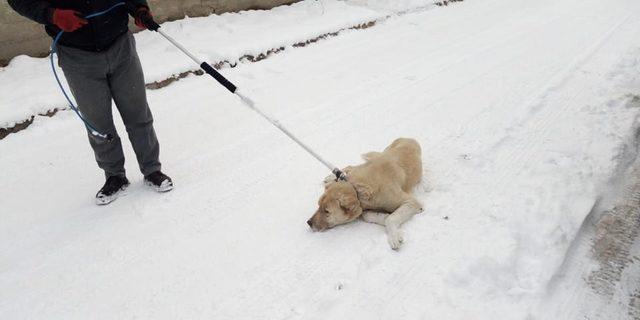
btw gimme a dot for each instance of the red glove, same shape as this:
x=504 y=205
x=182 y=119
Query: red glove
x=68 y=20
x=144 y=19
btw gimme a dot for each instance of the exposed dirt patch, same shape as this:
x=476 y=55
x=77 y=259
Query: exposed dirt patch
x=16 y=128
x=616 y=232
x=446 y=2
x=26 y=123
x=261 y=56
x=174 y=78
x=634 y=100
x=333 y=34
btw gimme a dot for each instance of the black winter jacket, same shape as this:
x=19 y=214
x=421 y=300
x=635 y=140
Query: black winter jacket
x=98 y=35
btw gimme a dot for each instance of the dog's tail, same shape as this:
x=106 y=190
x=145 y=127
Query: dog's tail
x=371 y=155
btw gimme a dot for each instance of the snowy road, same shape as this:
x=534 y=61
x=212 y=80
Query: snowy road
x=522 y=109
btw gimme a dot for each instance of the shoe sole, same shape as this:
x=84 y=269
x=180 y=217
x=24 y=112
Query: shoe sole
x=165 y=187
x=107 y=200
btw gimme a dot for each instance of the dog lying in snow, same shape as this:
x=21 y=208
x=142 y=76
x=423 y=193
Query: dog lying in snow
x=379 y=191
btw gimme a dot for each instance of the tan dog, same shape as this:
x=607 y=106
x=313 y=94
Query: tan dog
x=379 y=190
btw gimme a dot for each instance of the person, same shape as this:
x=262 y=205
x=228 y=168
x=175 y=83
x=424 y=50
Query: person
x=99 y=59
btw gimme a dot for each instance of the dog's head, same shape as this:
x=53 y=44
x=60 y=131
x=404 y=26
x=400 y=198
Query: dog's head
x=338 y=205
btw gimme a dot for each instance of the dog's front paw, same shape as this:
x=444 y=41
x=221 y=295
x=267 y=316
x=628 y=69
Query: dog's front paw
x=394 y=237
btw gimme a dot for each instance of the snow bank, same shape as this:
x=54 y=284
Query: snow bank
x=225 y=37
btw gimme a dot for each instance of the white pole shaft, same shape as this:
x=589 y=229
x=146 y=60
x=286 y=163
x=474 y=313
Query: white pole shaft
x=179 y=46
x=249 y=103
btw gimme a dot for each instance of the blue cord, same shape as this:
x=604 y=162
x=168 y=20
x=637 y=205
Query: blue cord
x=91 y=128
x=104 y=11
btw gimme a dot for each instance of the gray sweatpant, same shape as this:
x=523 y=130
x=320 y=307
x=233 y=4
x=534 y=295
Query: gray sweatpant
x=95 y=79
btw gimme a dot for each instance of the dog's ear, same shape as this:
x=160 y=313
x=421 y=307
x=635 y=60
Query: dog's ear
x=321 y=199
x=364 y=191
x=350 y=204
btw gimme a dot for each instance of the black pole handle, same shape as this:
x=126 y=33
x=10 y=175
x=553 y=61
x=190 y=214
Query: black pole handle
x=216 y=75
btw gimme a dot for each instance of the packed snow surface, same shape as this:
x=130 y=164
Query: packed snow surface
x=521 y=107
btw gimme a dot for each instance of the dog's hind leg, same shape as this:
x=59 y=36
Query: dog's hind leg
x=375 y=217
x=392 y=223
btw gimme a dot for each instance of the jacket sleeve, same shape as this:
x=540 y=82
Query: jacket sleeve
x=36 y=10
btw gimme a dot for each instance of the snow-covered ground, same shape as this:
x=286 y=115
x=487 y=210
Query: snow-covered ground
x=525 y=111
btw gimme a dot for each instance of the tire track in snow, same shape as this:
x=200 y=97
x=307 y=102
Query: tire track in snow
x=537 y=101
x=530 y=134
x=538 y=120
x=532 y=130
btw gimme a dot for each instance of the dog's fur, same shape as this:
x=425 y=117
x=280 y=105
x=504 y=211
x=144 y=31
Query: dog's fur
x=379 y=191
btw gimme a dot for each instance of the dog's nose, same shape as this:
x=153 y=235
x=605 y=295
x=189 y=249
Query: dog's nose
x=310 y=223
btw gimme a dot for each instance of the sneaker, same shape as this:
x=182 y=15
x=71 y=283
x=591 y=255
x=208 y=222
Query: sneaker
x=113 y=187
x=159 y=181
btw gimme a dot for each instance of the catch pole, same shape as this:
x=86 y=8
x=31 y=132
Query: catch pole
x=249 y=103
